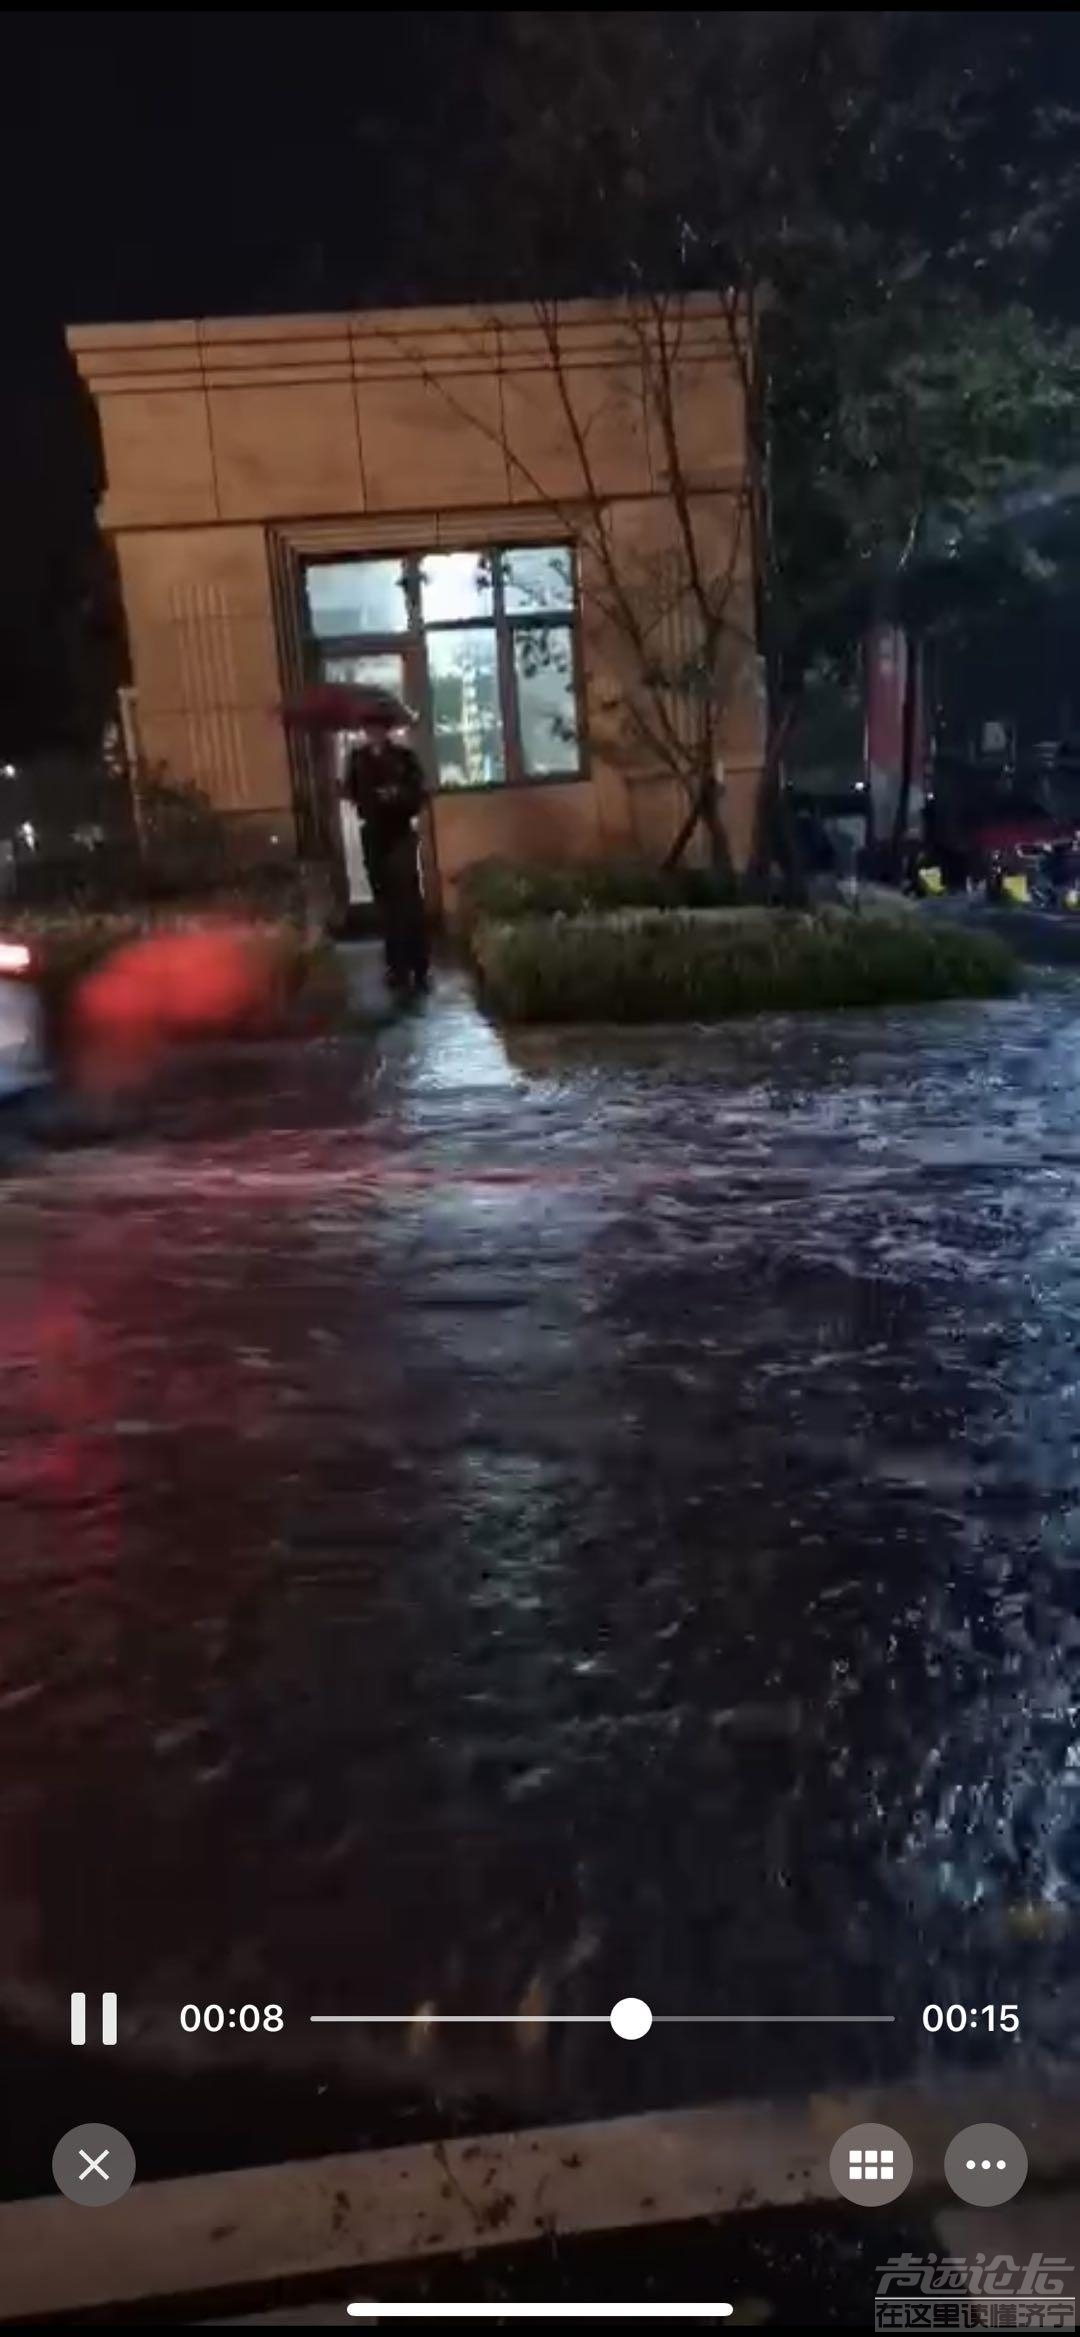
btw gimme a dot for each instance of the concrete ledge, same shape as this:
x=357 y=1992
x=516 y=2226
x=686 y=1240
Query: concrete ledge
x=210 y=2234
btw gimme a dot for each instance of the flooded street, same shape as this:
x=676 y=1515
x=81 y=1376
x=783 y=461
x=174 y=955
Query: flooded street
x=511 y=1533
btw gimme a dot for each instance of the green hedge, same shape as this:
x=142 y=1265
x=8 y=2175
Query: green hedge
x=505 y=890
x=673 y=968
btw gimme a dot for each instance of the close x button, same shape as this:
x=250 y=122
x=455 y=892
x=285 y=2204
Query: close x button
x=93 y=2165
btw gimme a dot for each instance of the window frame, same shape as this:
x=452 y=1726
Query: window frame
x=411 y=644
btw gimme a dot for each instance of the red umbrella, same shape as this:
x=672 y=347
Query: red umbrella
x=346 y=706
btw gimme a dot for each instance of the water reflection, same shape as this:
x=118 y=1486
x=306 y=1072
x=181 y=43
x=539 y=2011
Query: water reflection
x=594 y=1522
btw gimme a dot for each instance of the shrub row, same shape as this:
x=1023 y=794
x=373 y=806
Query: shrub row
x=672 y=968
x=505 y=891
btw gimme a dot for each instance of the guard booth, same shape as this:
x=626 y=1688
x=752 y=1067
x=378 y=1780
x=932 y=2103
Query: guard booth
x=401 y=496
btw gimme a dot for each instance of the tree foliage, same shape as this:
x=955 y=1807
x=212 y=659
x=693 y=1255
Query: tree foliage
x=896 y=492
x=62 y=649
x=878 y=197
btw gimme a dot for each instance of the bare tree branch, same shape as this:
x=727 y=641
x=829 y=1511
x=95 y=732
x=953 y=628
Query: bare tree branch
x=636 y=611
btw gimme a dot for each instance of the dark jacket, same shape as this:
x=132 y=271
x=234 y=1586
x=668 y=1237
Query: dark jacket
x=386 y=784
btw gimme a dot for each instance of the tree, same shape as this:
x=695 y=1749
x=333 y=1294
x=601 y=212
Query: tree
x=677 y=613
x=681 y=614
x=871 y=193
x=62 y=649
x=928 y=434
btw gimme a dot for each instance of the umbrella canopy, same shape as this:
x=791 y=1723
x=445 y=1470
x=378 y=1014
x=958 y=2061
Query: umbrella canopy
x=346 y=706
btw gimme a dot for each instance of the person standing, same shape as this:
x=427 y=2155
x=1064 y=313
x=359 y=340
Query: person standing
x=846 y=863
x=385 y=782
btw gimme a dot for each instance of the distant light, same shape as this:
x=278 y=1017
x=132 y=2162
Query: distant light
x=28 y=832
x=14 y=957
x=7 y=770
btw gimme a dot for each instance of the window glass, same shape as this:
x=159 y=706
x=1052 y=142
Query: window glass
x=535 y=580
x=455 y=586
x=384 y=669
x=356 y=596
x=463 y=670
x=468 y=654
x=547 y=705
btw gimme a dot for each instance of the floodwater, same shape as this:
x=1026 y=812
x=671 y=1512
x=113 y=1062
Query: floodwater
x=503 y=1535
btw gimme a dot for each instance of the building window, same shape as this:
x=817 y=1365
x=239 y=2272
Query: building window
x=486 y=640
x=347 y=598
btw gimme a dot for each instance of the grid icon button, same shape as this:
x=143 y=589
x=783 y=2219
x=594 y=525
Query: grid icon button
x=871 y=2164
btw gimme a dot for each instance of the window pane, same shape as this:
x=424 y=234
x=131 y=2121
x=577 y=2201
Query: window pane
x=537 y=579
x=356 y=596
x=455 y=586
x=383 y=668
x=547 y=703
x=465 y=707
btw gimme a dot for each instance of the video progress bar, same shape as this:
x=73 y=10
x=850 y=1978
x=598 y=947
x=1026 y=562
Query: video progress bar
x=603 y=2020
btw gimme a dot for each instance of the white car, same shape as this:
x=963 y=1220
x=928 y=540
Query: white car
x=23 y=1060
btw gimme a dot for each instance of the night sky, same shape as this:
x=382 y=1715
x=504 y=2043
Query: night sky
x=190 y=165
x=187 y=164
x=222 y=163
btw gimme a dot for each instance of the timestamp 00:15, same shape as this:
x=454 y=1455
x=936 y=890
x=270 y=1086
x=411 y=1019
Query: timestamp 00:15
x=962 y=2016
x=250 y=2017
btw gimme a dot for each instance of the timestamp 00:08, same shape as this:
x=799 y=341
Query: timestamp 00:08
x=961 y=2016
x=249 y=2017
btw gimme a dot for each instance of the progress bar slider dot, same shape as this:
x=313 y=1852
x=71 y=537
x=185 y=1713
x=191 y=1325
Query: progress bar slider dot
x=631 y=2018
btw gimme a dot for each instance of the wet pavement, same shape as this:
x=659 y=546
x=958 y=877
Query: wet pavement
x=507 y=1531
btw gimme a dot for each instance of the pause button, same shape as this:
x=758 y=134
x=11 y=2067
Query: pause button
x=78 y=2016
